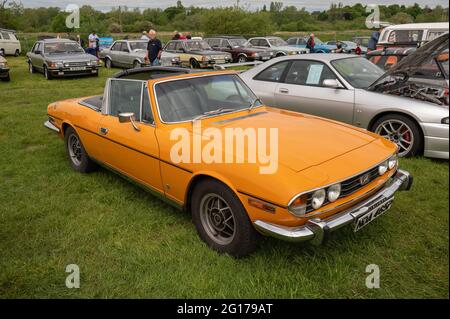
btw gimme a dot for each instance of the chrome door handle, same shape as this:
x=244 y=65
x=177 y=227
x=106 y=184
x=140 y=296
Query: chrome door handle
x=103 y=130
x=284 y=91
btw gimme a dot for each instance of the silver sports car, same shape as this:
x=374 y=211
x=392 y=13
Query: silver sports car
x=131 y=54
x=403 y=105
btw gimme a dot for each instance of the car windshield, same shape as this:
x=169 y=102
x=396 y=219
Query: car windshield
x=188 y=99
x=238 y=42
x=63 y=47
x=358 y=71
x=198 y=45
x=277 y=42
x=138 y=45
x=317 y=41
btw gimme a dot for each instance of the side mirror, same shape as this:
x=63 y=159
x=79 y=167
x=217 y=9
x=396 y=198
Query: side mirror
x=332 y=83
x=128 y=118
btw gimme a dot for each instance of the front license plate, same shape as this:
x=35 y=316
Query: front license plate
x=375 y=210
x=265 y=58
x=79 y=68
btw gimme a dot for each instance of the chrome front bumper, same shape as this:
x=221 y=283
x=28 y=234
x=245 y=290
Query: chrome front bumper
x=51 y=126
x=316 y=229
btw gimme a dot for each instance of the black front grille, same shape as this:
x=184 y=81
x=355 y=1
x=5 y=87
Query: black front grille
x=349 y=186
x=76 y=64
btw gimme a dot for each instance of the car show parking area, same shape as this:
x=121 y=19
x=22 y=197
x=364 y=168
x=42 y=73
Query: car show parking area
x=128 y=243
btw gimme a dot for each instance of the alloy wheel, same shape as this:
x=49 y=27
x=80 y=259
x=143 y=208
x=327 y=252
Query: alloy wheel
x=75 y=150
x=217 y=219
x=397 y=132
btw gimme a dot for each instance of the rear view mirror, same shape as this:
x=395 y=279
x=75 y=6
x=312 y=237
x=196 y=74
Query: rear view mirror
x=332 y=83
x=128 y=118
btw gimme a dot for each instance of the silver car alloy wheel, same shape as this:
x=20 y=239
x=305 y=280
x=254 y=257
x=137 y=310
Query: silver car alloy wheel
x=242 y=59
x=75 y=150
x=217 y=219
x=397 y=132
x=30 y=67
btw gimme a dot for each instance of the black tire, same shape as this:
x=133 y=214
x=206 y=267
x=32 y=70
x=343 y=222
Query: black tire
x=2 y=52
x=136 y=64
x=47 y=74
x=108 y=63
x=409 y=136
x=194 y=64
x=279 y=54
x=17 y=53
x=242 y=59
x=31 y=68
x=6 y=79
x=76 y=154
x=244 y=239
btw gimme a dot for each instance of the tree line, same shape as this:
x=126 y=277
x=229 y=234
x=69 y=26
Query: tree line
x=221 y=20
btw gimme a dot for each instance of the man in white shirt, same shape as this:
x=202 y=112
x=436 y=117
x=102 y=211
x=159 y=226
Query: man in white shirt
x=93 y=43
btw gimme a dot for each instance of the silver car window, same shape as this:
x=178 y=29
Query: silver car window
x=310 y=73
x=359 y=72
x=125 y=96
x=273 y=73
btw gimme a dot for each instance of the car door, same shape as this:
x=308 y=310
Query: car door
x=116 y=51
x=134 y=153
x=302 y=90
x=266 y=82
x=38 y=56
x=126 y=58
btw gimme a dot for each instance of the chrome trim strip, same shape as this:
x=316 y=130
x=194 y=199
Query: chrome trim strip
x=51 y=126
x=316 y=229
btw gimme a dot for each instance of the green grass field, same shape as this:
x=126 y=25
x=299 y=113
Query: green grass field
x=127 y=243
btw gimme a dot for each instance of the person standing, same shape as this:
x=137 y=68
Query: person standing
x=339 y=47
x=93 y=43
x=373 y=41
x=154 y=49
x=144 y=36
x=358 y=50
x=310 y=44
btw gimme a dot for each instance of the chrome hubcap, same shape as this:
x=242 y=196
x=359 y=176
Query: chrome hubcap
x=217 y=219
x=75 y=150
x=397 y=132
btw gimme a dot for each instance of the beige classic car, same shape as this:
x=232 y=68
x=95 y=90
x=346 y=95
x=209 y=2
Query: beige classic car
x=4 y=69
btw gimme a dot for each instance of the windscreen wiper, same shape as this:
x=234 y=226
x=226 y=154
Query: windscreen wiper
x=213 y=112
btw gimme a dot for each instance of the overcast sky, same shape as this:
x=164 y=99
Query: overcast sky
x=251 y=4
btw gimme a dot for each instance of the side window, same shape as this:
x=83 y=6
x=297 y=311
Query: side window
x=254 y=42
x=214 y=43
x=224 y=43
x=117 y=46
x=170 y=46
x=125 y=96
x=147 y=114
x=38 y=47
x=5 y=36
x=264 y=43
x=125 y=47
x=310 y=73
x=302 y=41
x=179 y=46
x=273 y=73
x=292 y=41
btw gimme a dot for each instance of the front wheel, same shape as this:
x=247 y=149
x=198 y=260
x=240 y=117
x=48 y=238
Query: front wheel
x=221 y=220
x=402 y=131
x=242 y=59
x=194 y=64
x=136 y=64
x=78 y=158
x=47 y=73
x=108 y=63
x=17 y=53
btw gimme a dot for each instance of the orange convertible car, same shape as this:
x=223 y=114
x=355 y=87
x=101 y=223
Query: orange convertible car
x=205 y=143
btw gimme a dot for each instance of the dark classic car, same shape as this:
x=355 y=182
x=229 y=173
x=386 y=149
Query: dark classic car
x=239 y=48
x=388 y=57
x=4 y=69
x=60 y=58
x=197 y=53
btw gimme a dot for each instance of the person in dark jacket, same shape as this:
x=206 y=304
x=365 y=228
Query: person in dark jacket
x=154 y=49
x=310 y=44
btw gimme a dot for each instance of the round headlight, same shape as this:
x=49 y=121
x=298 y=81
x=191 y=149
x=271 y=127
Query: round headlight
x=392 y=163
x=382 y=168
x=318 y=198
x=333 y=193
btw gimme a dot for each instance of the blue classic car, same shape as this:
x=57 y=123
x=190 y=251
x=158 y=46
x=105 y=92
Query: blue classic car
x=319 y=47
